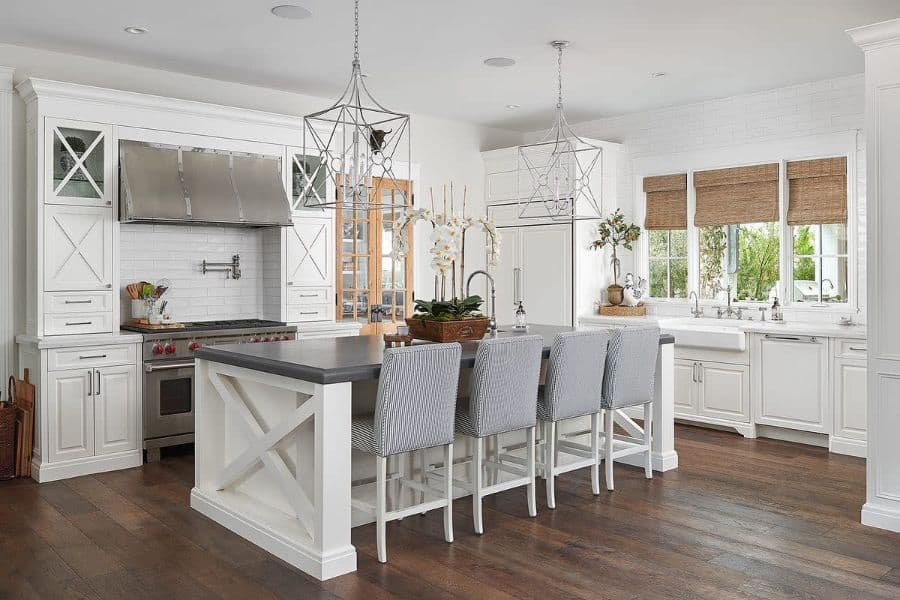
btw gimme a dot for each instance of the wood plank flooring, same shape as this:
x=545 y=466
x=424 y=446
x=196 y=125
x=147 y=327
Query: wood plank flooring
x=738 y=519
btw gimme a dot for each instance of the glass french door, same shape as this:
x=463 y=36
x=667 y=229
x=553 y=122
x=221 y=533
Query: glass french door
x=369 y=276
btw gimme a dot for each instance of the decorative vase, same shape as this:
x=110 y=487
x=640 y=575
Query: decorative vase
x=615 y=294
x=448 y=331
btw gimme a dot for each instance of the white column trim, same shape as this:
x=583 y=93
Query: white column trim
x=7 y=334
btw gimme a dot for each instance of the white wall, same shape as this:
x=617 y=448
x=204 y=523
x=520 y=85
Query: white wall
x=822 y=107
x=445 y=150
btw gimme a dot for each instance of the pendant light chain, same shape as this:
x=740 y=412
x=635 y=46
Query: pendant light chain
x=559 y=76
x=356 y=32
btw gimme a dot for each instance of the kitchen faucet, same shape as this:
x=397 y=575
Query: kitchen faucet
x=696 y=311
x=493 y=296
x=728 y=312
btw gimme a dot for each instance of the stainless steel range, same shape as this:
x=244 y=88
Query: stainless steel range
x=168 y=390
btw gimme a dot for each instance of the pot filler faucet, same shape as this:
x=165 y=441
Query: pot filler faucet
x=493 y=296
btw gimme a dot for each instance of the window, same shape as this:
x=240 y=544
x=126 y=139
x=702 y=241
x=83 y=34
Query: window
x=745 y=235
x=668 y=263
x=744 y=257
x=369 y=276
x=820 y=263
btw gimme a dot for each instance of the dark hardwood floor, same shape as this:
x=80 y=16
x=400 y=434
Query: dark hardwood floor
x=739 y=518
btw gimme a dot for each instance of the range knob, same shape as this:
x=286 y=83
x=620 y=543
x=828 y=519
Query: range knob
x=253 y=340
x=267 y=339
x=194 y=346
x=170 y=349
x=158 y=349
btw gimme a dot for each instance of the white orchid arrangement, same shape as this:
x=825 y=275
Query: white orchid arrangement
x=448 y=238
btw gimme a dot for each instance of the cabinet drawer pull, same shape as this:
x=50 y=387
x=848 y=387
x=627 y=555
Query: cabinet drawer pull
x=89 y=356
x=309 y=295
x=313 y=312
x=73 y=323
x=79 y=301
x=792 y=338
x=858 y=348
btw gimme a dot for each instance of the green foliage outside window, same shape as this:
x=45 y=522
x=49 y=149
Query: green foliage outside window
x=757 y=260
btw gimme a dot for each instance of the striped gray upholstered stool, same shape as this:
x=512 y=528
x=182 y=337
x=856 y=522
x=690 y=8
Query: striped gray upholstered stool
x=628 y=381
x=573 y=388
x=414 y=410
x=502 y=398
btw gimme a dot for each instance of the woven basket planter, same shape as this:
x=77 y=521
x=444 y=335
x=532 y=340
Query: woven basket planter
x=448 y=331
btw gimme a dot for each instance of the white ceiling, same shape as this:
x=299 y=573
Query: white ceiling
x=425 y=56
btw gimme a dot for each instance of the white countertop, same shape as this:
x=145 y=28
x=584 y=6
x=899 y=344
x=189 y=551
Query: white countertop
x=69 y=341
x=671 y=324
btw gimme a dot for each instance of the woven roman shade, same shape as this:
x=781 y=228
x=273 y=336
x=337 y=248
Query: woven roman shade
x=817 y=191
x=666 y=201
x=736 y=195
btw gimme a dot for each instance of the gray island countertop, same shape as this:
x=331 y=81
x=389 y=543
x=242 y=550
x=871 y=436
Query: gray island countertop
x=337 y=360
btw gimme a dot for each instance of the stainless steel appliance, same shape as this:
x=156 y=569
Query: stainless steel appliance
x=168 y=386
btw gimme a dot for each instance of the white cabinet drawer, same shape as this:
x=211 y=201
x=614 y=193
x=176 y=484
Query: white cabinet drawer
x=78 y=323
x=851 y=349
x=90 y=357
x=306 y=296
x=299 y=314
x=77 y=302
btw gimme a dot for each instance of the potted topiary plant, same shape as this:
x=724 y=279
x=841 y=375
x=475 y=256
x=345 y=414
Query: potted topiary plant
x=448 y=320
x=615 y=232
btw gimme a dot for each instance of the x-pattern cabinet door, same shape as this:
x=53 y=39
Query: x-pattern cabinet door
x=78 y=160
x=309 y=251
x=77 y=248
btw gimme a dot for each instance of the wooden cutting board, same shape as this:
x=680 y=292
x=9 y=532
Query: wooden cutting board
x=24 y=424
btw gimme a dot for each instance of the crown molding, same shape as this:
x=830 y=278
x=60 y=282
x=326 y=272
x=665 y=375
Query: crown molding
x=33 y=88
x=877 y=35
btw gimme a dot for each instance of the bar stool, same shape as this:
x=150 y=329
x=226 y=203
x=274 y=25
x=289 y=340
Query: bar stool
x=628 y=381
x=414 y=410
x=574 y=385
x=502 y=398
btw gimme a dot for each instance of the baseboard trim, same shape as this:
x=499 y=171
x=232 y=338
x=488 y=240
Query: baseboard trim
x=881 y=516
x=43 y=472
x=280 y=541
x=847 y=446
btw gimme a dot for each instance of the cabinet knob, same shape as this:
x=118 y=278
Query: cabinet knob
x=108 y=286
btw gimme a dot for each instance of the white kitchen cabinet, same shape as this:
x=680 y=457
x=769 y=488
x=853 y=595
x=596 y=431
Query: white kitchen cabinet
x=848 y=368
x=536 y=261
x=307 y=182
x=724 y=391
x=70 y=414
x=687 y=391
x=88 y=403
x=115 y=409
x=711 y=390
x=309 y=252
x=791 y=384
x=79 y=163
x=78 y=255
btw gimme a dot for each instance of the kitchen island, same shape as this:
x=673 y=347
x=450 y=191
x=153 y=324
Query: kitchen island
x=273 y=459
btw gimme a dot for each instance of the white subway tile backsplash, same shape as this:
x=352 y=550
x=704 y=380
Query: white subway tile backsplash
x=151 y=252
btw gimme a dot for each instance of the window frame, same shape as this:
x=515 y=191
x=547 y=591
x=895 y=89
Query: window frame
x=668 y=258
x=782 y=152
x=817 y=258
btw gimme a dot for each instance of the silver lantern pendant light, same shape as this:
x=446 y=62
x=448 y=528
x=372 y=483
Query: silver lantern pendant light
x=556 y=177
x=360 y=144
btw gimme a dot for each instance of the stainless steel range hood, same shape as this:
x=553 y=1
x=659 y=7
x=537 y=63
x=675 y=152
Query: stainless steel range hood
x=195 y=186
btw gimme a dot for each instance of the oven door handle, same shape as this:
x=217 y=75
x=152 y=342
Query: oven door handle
x=150 y=368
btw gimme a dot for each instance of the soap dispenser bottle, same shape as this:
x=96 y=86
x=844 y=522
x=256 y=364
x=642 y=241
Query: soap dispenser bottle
x=777 y=315
x=521 y=321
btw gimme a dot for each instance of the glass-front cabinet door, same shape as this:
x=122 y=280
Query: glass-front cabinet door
x=79 y=163
x=308 y=182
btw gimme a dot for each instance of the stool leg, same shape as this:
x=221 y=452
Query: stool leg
x=532 y=500
x=477 y=458
x=550 y=462
x=448 y=490
x=610 y=424
x=595 y=453
x=648 y=427
x=380 y=506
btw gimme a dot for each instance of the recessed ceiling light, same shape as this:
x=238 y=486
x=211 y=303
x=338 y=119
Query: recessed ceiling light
x=512 y=106
x=136 y=30
x=291 y=11
x=499 y=61
x=658 y=74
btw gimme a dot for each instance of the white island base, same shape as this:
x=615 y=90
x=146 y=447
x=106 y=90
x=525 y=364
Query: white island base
x=273 y=456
